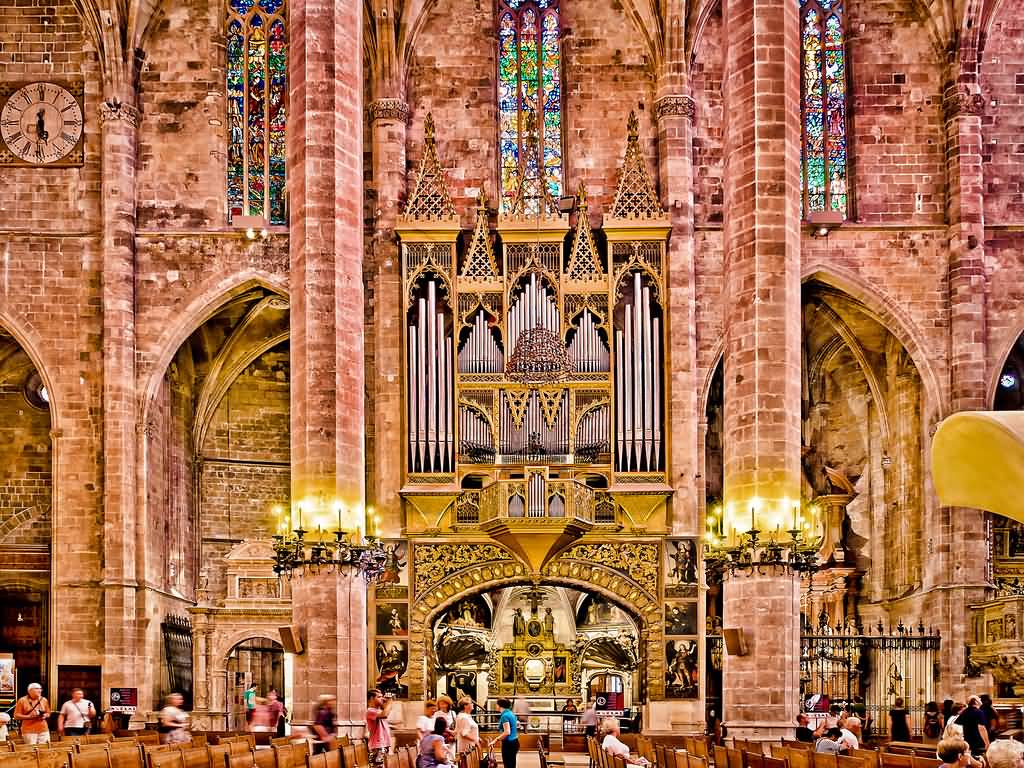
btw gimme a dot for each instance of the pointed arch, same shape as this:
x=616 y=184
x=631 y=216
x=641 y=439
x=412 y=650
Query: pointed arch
x=32 y=343
x=889 y=314
x=208 y=301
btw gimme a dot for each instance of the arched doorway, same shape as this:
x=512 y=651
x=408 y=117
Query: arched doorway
x=622 y=575
x=258 y=660
x=535 y=641
x=26 y=535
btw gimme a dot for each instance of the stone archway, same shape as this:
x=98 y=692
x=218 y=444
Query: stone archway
x=627 y=573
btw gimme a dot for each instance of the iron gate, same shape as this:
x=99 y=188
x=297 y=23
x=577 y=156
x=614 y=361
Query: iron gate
x=846 y=665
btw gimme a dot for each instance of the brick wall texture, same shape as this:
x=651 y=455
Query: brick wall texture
x=121 y=284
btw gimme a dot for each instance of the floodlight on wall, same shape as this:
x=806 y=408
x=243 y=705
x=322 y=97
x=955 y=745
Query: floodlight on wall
x=566 y=203
x=823 y=222
x=254 y=226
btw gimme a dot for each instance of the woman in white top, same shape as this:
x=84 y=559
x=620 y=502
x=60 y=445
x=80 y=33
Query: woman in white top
x=467 y=732
x=613 y=746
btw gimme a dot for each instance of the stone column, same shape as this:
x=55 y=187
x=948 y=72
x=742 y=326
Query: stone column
x=761 y=300
x=388 y=120
x=325 y=161
x=965 y=565
x=675 y=115
x=122 y=640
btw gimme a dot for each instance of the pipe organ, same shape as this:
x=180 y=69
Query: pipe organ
x=468 y=305
x=431 y=429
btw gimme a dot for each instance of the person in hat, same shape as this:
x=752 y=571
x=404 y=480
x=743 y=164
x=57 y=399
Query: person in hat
x=4 y=720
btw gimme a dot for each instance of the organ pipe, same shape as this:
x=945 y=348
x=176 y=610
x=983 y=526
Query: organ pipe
x=480 y=352
x=587 y=350
x=533 y=307
x=431 y=426
x=638 y=384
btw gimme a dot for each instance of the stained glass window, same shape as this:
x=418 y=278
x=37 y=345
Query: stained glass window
x=529 y=82
x=824 y=167
x=257 y=95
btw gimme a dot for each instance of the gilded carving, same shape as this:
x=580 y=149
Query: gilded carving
x=638 y=561
x=635 y=197
x=433 y=562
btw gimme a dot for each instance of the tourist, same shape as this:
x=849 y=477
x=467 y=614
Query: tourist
x=324 y=724
x=432 y=752
x=954 y=753
x=31 y=710
x=831 y=743
x=1005 y=753
x=508 y=734
x=856 y=727
x=933 y=722
x=952 y=730
x=713 y=728
x=278 y=711
x=614 y=746
x=75 y=715
x=570 y=707
x=847 y=739
x=803 y=731
x=262 y=720
x=972 y=721
x=250 y=702
x=899 y=722
x=446 y=710
x=378 y=730
x=467 y=732
x=992 y=723
x=4 y=720
x=425 y=722
x=589 y=719
x=174 y=721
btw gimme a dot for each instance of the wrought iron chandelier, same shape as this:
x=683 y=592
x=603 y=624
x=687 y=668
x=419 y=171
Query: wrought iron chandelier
x=751 y=552
x=297 y=555
x=540 y=358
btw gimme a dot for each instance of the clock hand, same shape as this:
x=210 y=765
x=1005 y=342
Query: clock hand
x=41 y=131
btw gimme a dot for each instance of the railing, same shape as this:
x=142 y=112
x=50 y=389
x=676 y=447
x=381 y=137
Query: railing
x=537 y=498
x=870 y=672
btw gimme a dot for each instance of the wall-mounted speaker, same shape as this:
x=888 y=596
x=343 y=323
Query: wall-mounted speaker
x=735 y=643
x=292 y=638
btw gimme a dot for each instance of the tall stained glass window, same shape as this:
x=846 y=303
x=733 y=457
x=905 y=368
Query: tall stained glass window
x=257 y=91
x=824 y=166
x=529 y=82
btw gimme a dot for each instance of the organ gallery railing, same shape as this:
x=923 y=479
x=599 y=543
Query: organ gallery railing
x=535 y=497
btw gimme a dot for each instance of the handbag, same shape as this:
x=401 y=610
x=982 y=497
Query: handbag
x=489 y=761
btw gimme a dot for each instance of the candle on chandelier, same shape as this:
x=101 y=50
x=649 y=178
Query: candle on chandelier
x=753 y=525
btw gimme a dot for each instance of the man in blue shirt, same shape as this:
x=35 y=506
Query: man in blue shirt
x=508 y=732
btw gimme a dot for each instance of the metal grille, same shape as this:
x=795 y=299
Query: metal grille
x=850 y=667
x=177 y=633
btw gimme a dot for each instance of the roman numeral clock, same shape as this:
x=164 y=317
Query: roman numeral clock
x=41 y=124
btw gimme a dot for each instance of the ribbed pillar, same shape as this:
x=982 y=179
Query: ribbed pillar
x=675 y=116
x=761 y=301
x=122 y=640
x=388 y=119
x=325 y=161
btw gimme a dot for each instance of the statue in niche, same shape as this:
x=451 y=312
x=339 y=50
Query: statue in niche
x=549 y=622
x=518 y=624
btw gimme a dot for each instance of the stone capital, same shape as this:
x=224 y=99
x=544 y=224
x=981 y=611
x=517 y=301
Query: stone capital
x=960 y=102
x=113 y=110
x=388 y=109
x=680 y=104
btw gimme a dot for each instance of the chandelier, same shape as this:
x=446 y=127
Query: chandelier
x=539 y=358
x=751 y=551
x=297 y=555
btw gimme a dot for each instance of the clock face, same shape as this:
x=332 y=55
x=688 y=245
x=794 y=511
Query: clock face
x=41 y=123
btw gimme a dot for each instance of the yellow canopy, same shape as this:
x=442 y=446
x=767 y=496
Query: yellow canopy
x=978 y=461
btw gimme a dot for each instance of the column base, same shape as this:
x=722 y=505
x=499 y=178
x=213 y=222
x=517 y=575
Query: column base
x=767 y=730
